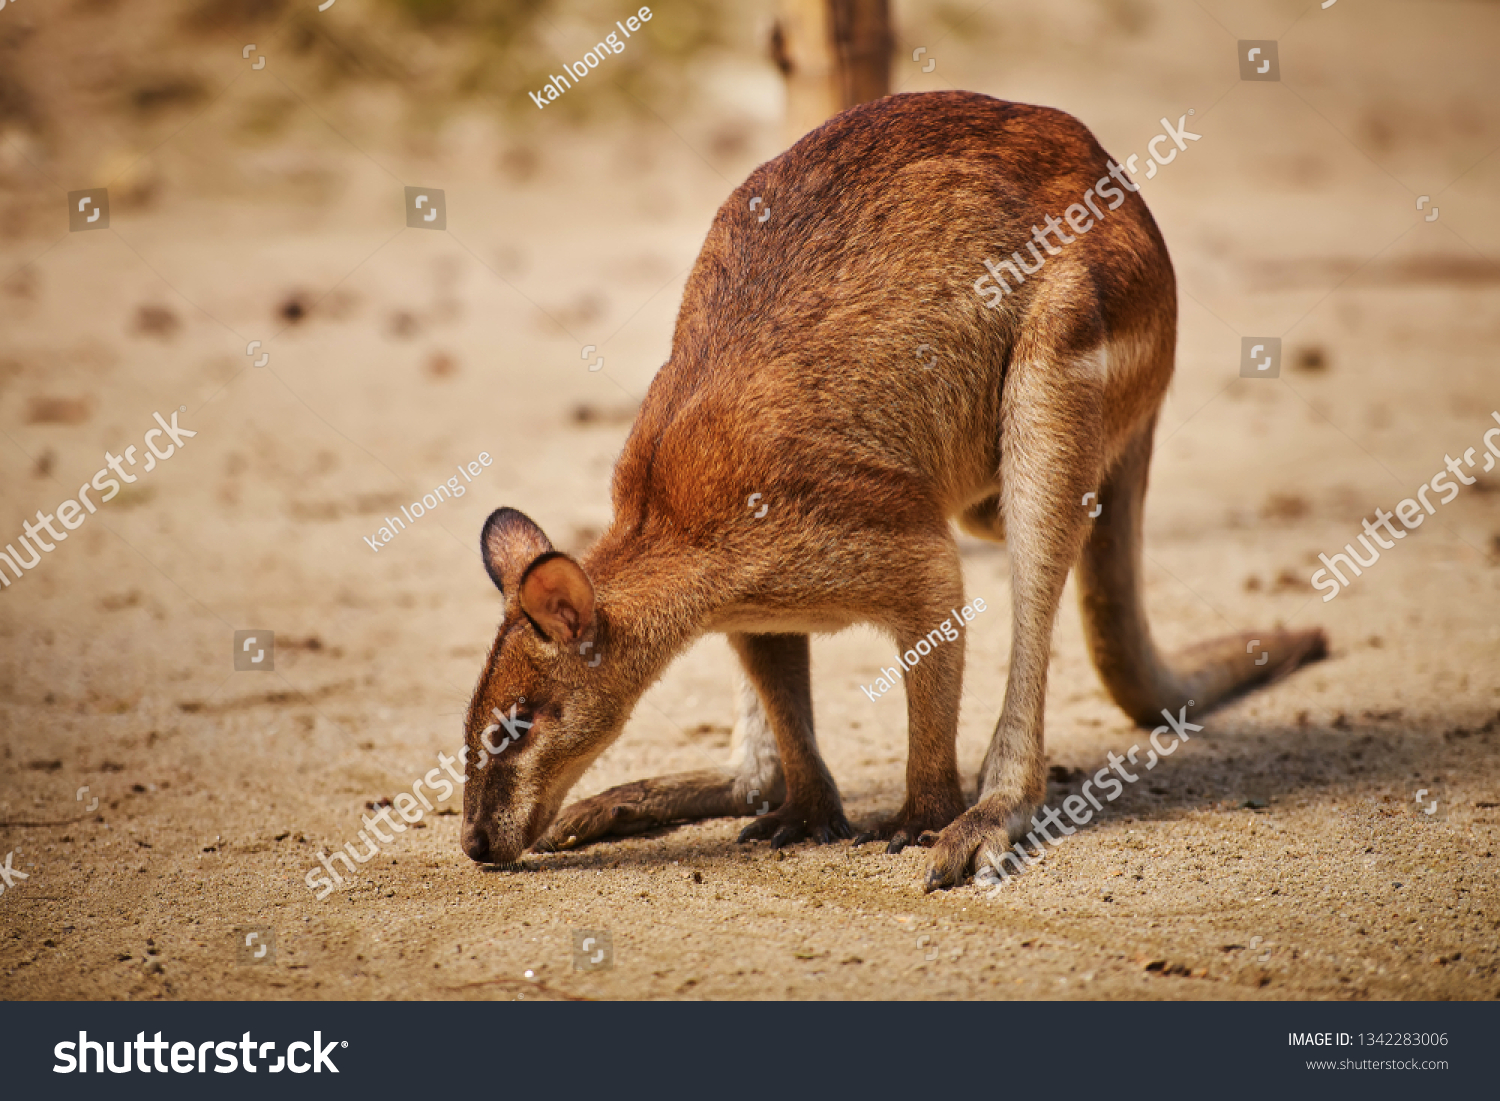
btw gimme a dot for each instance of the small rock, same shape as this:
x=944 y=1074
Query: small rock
x=156 y=321
x=1309 y=357
x=58 y=411
x=294 y=308
x=440 y=365
x=1284 y=506
x=1287 y=581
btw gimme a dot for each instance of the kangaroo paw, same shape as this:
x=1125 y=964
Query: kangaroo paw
x=980 y=836
x=790 y=823
x=919 y=825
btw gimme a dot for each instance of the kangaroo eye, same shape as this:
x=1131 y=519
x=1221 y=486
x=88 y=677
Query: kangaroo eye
x=514 y=722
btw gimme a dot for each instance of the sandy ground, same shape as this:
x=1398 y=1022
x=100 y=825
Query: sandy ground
x=1283 y=853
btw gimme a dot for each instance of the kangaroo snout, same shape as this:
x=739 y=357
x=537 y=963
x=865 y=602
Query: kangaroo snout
x=485 y=844
x=486 y=840
x=476 y=843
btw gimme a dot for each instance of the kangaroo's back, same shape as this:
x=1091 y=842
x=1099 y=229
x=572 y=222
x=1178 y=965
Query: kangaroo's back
x=841 y=307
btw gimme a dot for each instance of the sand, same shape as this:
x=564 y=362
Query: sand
x=1286 y=852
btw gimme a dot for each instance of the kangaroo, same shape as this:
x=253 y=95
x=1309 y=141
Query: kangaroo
x=796 y=375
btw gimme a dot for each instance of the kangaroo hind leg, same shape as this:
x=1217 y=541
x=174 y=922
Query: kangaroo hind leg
x=1052 y=422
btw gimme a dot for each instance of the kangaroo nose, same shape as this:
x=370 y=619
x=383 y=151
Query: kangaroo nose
x=476 y=844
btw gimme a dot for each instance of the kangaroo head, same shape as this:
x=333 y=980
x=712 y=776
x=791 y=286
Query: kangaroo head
x=541 y=712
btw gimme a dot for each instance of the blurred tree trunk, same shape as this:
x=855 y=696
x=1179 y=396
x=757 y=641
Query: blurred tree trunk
x=833 y=54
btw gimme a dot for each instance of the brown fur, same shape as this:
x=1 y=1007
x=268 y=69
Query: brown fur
x=794 y=374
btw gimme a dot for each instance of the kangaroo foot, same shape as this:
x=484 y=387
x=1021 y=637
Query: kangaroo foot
x=919 y=825
x=822 y=823
x=982 y=835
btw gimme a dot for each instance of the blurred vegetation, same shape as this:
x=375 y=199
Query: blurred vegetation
x=502 y=20
x=99 y=89
x=445 y=52
x=509 y=47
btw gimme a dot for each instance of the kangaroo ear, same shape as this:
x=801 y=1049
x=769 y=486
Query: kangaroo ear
x=510 y=543
x=558 y=595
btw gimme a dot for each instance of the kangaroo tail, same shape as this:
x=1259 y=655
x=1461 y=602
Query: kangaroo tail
x=1139 y=679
